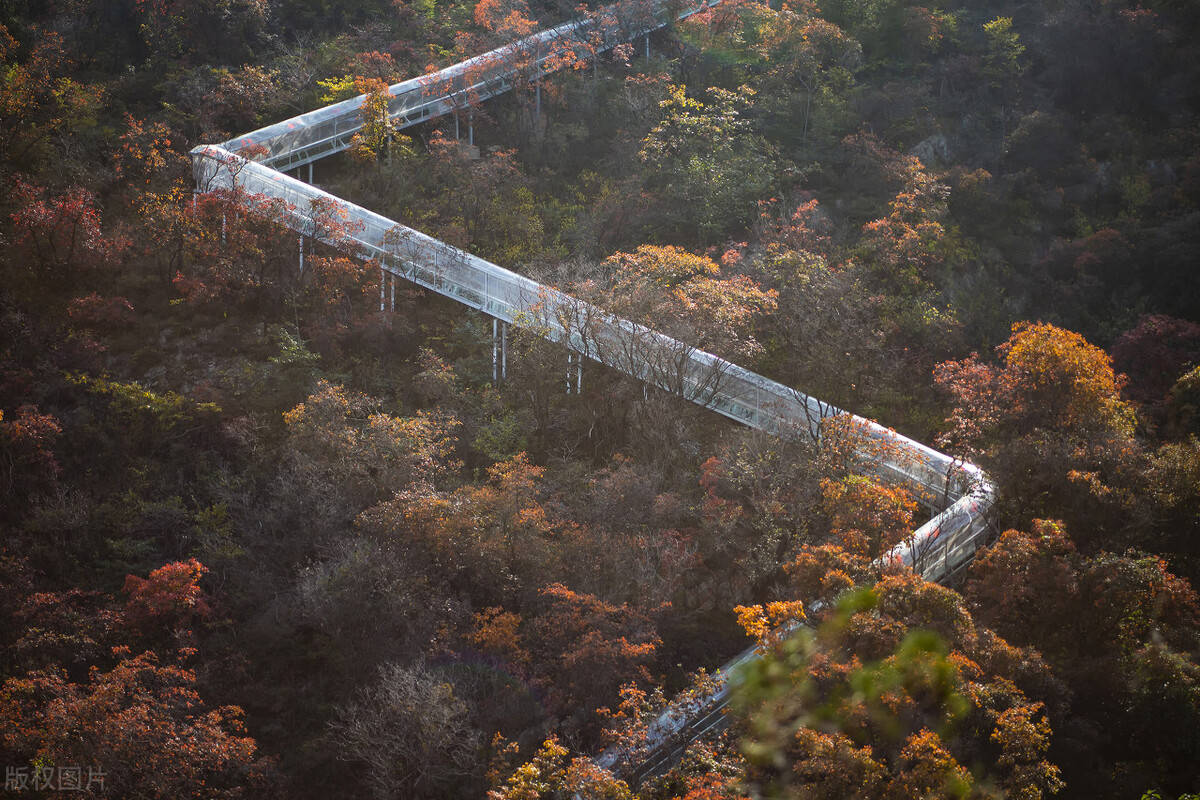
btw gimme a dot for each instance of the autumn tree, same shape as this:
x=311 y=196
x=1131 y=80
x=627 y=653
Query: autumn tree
x=507 y=24
x=687 y=296
x=96 y=313
x=798 y=48
x=711 y=768
x=59 y=236
x=1154 y=355
x=506 y=19
x=877 y=303
x=706 y=163
x=145 y=154
x=336 y=293
x=168 y=218
x=578 y=648
x=1061 y=381
x=378 y=135
x=583 y=48
x=550 y=775
x=169 y=600
x=492 y=540
x=592 y=645
x=1051 y=422
x=1120 y=630
x=768 y=502
x=410 y=733
x=70 y=630
x=225 y=249
x=27 y=462
x=897 y=693
x=903 y=249
x=141 y=724
x=345 y=449
x=868 y=517
x=823 y=573
x=39 y=101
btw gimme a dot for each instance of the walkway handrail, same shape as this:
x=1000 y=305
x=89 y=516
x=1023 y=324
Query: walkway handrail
x=636 y=350
x=316 y=134
x=938 y=549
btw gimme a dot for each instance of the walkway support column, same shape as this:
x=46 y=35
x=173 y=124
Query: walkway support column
x=574 y=361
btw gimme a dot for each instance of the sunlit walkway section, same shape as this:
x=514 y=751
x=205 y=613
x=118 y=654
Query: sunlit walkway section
x=309 y=137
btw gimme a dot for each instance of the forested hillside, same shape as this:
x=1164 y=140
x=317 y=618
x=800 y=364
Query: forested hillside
x=262 y=539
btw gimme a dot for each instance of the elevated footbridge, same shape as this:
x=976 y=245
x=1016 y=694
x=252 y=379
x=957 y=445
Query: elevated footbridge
x=250 y=165
x=634 y=349
x=326 y=131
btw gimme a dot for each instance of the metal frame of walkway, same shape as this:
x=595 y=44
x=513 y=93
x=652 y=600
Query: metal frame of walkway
x=252 y=164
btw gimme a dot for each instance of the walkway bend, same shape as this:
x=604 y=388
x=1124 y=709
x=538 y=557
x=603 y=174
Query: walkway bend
x=959 y=492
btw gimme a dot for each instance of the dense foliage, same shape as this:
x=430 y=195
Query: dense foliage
x=258 y=538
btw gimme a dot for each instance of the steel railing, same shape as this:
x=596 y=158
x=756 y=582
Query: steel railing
x=959 y=491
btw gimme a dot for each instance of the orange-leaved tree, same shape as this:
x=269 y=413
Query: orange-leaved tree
x=687 y=296
x=898 y=693
x=575 y=646
x=493 y=541
x=139 y=729
x=169 y=600
x=1050 y=422
x=868 y=517
x=342 y=447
